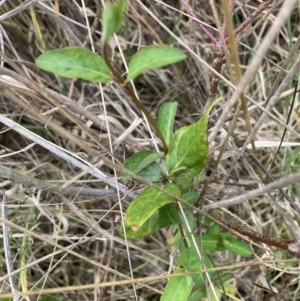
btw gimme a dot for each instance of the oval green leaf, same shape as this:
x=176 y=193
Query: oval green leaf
x=112 y=18
x=188 y=149
x=214 y=229
x=190 y=197
x=75 y=62
x=237 y=247
x=189 y=259
x=144 y=164
x=182 y=179
x=152 y=57
x=178 y=288
x=149 y=227
x=164 y=217
x=147 y=203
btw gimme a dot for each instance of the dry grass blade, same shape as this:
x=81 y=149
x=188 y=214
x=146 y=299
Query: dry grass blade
x=6 y=246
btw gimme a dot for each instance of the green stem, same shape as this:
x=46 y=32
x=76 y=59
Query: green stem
x=118 y=77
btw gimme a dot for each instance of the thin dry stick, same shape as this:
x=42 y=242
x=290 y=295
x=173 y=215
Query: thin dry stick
x=235 y=58
x=110 y=252
x=16 y=177
x=95 y=23
x=262 y=7
x=230 y=8
x=202 y=27
x=6 y=246
x=283 y=182
x=16 y=10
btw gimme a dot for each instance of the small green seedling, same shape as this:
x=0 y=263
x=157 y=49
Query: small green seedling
x=175 y=171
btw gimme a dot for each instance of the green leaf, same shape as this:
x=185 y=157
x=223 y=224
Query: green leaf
x=143 y=164
x=148 y=160
x=75 y=62
x=149 y=227
x=198 y=178
x=225 y=236
x=166 y=116
x=190 y=197
x=182 y=178
x=178 y=288
x=165 y=216
x=206 y=221
x=168 y=215
x=152 y=172
x=147 y=203
x=152 y=57
x=190 y=260
x=237 y=247
x=112 y=18
x=228 y=236
x=196 y=295
x=214 y=229
x=209 y=242
x=188 y=149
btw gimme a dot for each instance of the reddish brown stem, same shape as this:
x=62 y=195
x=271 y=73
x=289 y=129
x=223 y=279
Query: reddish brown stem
x=217 y=65
x=266 y=4
x=256 y=236
x=202 y=28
